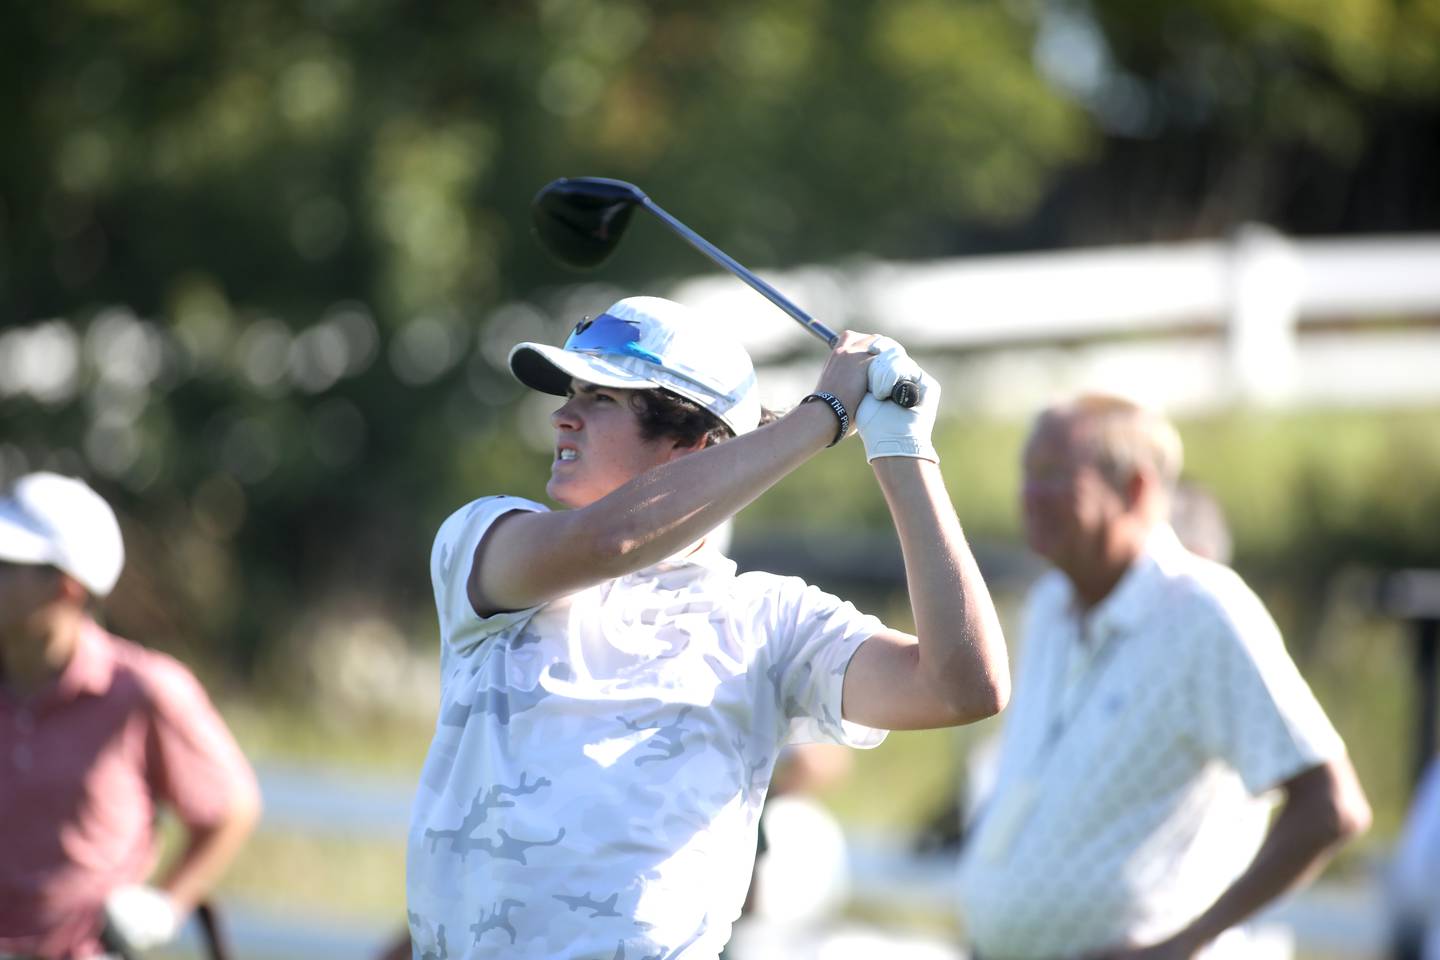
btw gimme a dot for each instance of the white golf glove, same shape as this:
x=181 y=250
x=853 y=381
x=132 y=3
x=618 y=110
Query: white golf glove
x=888 y=429
x=143 y=917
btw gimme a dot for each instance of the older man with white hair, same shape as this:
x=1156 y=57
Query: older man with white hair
x=1155 y=712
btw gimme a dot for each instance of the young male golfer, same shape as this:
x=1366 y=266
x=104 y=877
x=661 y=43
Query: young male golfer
x=614 y=694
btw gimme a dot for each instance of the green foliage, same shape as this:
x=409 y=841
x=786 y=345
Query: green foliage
x=310 y=223
x=260 y=263
x=1335 y=487
x=1278 y=70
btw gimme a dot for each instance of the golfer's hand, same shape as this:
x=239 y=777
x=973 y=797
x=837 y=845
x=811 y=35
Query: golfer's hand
x=142 y=917
x=844 y=374
x=888 y=429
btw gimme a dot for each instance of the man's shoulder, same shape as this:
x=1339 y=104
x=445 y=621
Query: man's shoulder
x=1213 y=597
x=1207 y=582
x=778 y=590
x=761 y=582
x=475 y=517
x=146 y=672
x=486 y=509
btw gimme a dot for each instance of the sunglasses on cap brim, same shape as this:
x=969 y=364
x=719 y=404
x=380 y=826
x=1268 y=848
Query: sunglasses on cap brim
x=608 y=334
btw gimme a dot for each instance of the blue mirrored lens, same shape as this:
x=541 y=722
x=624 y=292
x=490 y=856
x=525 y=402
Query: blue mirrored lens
x=609 y=334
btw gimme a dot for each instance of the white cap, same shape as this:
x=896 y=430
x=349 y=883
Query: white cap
x=645 y=342
x=59 y=521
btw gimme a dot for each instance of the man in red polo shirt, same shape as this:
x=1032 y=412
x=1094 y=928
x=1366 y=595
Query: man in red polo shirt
x=97 y=734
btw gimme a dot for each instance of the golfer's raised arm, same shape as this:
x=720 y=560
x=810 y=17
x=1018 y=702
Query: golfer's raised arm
x=957 y=669
x=663 y=496
x=528 y=558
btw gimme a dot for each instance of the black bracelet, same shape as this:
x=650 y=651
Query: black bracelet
x=840 y=414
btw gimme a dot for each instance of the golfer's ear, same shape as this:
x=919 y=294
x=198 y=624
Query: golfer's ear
x=680 y=449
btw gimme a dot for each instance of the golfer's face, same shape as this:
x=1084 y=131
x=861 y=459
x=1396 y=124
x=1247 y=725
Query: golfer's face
x=598 y=446
x=1066 y=502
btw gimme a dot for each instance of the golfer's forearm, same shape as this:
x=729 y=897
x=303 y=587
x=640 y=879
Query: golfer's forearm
x=672 y=506
x=529 y=558
x=962 y=647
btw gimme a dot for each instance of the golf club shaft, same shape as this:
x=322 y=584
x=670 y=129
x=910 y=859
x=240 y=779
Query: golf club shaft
x=905 y=392
x=209 y=918
x=729 y=263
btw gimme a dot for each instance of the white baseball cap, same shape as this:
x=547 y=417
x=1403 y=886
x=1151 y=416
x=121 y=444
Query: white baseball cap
x=645 y=342
x=60 y=522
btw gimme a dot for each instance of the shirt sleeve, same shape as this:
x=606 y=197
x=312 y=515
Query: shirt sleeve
x=194 y=764
x=461 y=628
x=1254 y=709
x=811 y=652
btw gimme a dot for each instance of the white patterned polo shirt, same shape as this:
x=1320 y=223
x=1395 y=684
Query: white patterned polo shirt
x=599 y=763
x=1136 y=755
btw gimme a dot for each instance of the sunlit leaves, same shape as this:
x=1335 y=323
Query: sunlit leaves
x=422 y=185
x=969 y=92
x=319 y=211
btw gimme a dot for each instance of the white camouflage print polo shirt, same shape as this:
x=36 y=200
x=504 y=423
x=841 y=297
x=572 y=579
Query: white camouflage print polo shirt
x=599 y=763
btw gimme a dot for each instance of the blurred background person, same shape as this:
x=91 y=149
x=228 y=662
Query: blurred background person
x=801 y=874
x=97 y=736
x=1199 y=522
x=1414 y=877
x=1155 y=708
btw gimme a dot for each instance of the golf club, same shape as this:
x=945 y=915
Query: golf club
x=206 y=914
x=581 y=220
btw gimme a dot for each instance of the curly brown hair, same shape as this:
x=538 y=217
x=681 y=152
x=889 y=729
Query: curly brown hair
x=665 y=414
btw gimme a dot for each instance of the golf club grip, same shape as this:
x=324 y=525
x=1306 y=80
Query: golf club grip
x=905 y=392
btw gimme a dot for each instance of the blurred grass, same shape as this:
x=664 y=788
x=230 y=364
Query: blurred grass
x=346 y=878
x=376 y=741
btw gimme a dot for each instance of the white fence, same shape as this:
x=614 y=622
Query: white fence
x=1259 y=319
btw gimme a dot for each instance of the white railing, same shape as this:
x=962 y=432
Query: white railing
x=1259 y=319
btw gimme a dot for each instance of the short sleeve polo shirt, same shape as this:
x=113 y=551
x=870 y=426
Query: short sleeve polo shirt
x=1137 y=749
x=85 y=766
x=599 y=763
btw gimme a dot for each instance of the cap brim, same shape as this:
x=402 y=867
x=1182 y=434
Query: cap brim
x=550 y=370
x=19 y=543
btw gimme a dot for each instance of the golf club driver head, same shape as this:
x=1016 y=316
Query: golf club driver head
x=581 y=220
